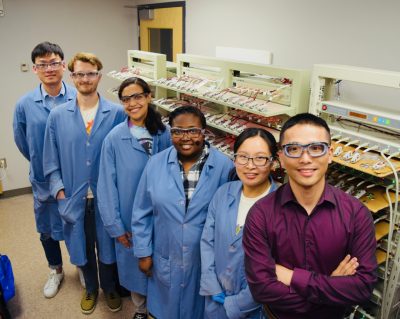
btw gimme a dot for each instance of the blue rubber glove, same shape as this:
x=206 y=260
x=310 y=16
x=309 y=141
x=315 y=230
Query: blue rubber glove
x=220 y=298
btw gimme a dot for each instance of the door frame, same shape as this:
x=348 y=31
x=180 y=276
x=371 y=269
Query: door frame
x=166 y=5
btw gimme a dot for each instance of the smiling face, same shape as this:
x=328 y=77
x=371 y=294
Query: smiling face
x=255 y=179
x=50 y=75
x=86 y=85
x=137 y=106
x=306 y=172
x=189 y=148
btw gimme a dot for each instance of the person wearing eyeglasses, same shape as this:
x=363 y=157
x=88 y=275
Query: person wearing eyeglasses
x=30 y=117
x=169 y=212
x=223 y=281
x=125 y=153
x=309 y=247
x=75 y=132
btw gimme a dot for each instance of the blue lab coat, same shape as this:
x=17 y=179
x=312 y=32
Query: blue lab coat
x=222 y=258
x=71 y=161
x=122 y=162
x=29 y=126
x=163 y=229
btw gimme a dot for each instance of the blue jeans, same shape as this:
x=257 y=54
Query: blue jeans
x=52 y=251
x=94 y=268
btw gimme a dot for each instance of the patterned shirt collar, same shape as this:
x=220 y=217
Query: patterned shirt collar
x=192 y=177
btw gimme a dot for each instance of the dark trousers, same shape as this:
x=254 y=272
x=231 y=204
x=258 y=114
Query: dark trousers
x=94 y=268
x=268 y=313
x=52 y=250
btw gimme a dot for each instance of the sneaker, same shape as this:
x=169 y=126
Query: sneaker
x=53 y=283
x=114 y=301
x=88 y=302
x=140 y=316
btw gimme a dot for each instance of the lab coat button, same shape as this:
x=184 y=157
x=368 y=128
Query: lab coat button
x=88 y=162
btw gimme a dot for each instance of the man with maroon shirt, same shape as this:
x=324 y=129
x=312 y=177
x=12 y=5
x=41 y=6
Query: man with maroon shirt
x=309 y=247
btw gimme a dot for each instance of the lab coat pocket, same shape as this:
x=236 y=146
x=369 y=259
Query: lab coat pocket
x=162 y=267
x=71 y=208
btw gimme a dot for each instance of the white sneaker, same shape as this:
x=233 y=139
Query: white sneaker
x=53 y=283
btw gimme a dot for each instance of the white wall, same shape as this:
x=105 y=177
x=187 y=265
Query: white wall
x=103 y=27
x=306 y=32
x=299 y=33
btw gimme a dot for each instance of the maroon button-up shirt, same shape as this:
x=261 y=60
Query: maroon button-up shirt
x=279 y=230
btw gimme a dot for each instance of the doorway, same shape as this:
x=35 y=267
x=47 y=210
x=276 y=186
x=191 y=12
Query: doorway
x=162 y=28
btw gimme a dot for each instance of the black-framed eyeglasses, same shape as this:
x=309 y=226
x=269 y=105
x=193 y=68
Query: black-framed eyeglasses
x=52 y=65
x=258 y=161
x=191 y=132
x=89 y=75
x=315 y=149
x=137 y=97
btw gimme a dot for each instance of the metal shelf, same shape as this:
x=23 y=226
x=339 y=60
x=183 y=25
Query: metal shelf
x=360 y=127
x=276 y=109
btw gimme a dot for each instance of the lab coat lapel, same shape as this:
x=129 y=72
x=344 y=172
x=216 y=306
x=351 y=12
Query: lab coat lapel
x=39 y=100
x=156 y=139
x=127 y=135
x=175 y=172
x=235 y=212
x=102 y=113
x=233 y=205
x=77 y=116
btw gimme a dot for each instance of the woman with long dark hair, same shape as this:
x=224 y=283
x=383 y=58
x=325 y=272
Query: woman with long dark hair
x=125 y=153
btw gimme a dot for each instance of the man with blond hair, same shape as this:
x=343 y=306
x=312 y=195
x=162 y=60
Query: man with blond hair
x=74 y=135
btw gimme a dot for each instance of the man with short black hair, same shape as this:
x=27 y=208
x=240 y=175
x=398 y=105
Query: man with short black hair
x=309 y=247
x=29 y=125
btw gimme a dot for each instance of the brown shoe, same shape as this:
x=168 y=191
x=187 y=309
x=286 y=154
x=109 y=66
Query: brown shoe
x=114 y=301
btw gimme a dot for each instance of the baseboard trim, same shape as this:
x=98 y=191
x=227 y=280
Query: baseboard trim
x=16 y=192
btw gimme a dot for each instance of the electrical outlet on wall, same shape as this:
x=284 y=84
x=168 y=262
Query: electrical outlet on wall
x=3 y=163
x=24 y=67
